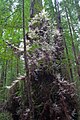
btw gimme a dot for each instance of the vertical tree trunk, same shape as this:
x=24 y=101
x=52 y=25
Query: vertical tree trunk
x=32 y=8
x=59 y=27
x=58 y=21
x=36 y=7
x=4 y=70
x=58 y=16
x=27 y=78
x=2 y=73
x=73 y=46
x=17 y=64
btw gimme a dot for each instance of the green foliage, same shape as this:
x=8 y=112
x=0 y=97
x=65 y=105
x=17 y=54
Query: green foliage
x=73 y=14
x=38 y=6
x=11 y=30
x=27 y=13
x=5 y=116
x=49 y=7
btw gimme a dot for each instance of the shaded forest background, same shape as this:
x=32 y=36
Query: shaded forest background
x=19 y=21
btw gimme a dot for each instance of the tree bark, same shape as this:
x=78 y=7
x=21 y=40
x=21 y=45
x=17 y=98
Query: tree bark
x=27 y=78
x=73 y=46
x=60 y=28
x=36 y=7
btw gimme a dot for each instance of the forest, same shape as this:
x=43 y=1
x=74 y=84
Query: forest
x=40 y=60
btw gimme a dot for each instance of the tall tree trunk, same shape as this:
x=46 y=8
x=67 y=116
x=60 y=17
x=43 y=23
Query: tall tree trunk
x=58 y=21
x=36 y=7
x=58 y=16
x=60 y=28
x=73 y=46
x=27 y=78
x=2 y=73
x=4 y=70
